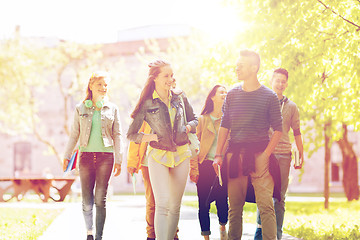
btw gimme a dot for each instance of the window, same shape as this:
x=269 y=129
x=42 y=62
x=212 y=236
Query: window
x=22 y=158
x=335 y=172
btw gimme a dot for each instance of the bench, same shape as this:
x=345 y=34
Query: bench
x=54 y=188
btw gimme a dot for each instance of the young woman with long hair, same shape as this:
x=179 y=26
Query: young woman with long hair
x=168 y=152
x=202 y=171
x=97 y=126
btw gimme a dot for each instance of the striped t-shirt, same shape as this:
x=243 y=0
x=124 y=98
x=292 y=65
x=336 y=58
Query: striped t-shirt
x=249 y=115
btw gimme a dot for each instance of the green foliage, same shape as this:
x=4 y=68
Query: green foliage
x=317 y=41
x=20 y=223
x=30 y=69
x=19 y=64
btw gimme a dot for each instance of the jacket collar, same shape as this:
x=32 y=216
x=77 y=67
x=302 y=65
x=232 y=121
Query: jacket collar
x=209 y=122
x=106 y=103
x=156 y=95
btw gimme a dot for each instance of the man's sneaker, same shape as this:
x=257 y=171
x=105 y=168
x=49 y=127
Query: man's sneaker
x=258 y=234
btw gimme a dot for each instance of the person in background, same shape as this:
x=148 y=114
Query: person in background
x=249 y=111
x=97 y=125
x=291 y=119
x=202 y=171
x=168 y=153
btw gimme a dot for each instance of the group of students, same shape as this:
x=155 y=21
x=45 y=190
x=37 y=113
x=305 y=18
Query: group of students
x=233 y=130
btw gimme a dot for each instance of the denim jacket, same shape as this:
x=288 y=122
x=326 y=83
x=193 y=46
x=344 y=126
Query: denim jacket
x=110 y=125
x=156 y=114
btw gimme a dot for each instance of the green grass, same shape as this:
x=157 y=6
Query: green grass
x=310 y=221
x=25 y=223
x=332 y=195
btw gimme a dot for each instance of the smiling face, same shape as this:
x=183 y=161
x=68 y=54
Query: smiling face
x=279 y=83
x=99 y=88
x=219 y=96
x=165 y=80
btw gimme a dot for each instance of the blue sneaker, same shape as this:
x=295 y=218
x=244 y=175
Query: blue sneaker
x=258 y=234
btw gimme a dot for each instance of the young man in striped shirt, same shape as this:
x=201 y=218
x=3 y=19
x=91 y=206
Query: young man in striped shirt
x=248 y=112
x=291 y=119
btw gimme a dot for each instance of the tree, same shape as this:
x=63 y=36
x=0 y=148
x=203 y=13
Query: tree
x=68 y=64
x=317 y=41
x=30 y=69
x=20 y=63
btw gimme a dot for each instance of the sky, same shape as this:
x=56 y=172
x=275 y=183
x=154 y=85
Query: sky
x=95 y=21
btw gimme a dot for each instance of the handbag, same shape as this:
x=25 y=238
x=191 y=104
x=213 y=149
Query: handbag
x=193 y=139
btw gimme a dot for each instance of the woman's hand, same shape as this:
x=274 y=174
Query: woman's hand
x=301 y=159
x=117 y=169
x=217 y=163
x=194 y=176
x=150 y=138
x=154 y=137
x=65 y=164
x=194 y=169
x=188 y=128
x=131 y=170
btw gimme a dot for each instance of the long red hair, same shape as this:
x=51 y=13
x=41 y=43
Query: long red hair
x=148 y=90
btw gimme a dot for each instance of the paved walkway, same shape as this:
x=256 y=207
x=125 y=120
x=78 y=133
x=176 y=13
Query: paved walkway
x=126 y=220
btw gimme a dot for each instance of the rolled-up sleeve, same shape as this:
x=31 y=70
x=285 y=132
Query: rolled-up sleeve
x=295 y=121
x=190 y=116
x=74 y=135
x=133 y=133
x=117 y=137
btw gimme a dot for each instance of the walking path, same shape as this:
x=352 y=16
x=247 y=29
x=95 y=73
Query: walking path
x=126 y=220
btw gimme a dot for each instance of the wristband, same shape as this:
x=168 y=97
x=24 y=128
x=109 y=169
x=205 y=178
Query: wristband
x=219 y=155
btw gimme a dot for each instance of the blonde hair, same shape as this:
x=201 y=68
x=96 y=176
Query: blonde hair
x=97 y=75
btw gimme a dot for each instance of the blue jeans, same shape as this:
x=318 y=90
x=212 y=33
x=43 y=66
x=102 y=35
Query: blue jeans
x=95 y=171
x=209 y=190
x=284 y=163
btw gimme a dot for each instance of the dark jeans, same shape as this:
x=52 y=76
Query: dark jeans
x=209 y=190
x=95 y=171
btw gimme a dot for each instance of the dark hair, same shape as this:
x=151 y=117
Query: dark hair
x=282 y=71
x=209 y=104
x=98 y=75
x=148 y=90
x=254 y=55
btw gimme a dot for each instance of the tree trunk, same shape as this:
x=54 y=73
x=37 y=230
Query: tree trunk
x=327 y=128
x=350 y=167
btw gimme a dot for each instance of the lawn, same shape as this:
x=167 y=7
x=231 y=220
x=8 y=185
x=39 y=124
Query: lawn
x=310 y=221
x=25 y=223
